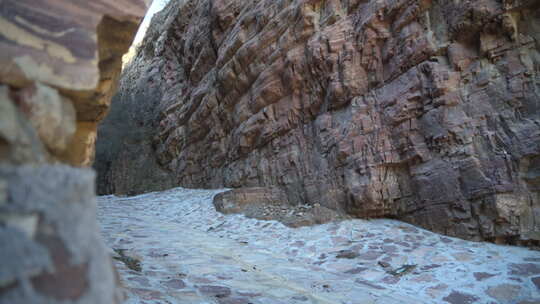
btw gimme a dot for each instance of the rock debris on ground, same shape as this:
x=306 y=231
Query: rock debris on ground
x=189 y=253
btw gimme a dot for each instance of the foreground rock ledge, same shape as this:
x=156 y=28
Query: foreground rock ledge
x=424 y=111
x=272 y=204
x=59 y=64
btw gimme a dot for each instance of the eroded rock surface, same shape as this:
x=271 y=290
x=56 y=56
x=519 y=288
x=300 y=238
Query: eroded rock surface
x=272 y=204
x=51 y=248
x=425 y=111
x=59 y=64
x=61 y=61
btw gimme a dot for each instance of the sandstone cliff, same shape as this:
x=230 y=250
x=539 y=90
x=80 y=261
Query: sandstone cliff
x=421 y=110
x=59 y=64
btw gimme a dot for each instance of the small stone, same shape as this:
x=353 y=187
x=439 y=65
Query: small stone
x=370 y=255
x=215 y=291
x=174 y=284
x=249 y=294
x=480 y=276
x=355 y=270
x=504 y=292
x=435 y=291
x=429 y=267
x=423 y=278
x=141 y=280
x=364 y=282
x=456 y=297
x=446 y=240
x=235 y=300
x=200 y=280
x=536 y=282
x=462 y=256
x=389 y=248
x=391 y=279
x=346 y=254
x=402 y=270
x=301 y=298
x=147 y=294
x=384 y=264
x=404 y=244
x=525 y=269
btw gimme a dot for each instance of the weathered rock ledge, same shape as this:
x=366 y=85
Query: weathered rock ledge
x=272 y=204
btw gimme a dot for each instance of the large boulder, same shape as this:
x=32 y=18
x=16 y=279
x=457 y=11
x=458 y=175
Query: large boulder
x=272 y=204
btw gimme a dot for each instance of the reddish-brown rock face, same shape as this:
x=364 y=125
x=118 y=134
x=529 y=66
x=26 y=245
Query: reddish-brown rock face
x=426 y=111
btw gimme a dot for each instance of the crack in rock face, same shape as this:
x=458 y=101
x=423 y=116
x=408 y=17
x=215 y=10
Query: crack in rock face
x=424 y=111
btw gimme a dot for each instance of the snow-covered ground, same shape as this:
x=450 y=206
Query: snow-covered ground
x=191 y=254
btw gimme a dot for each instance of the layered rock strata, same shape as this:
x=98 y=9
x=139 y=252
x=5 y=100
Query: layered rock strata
x=421 y=110
x=59 y=64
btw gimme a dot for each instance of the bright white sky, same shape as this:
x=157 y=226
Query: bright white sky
x=156 y=6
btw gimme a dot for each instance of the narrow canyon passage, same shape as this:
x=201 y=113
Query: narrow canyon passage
x=189 y=253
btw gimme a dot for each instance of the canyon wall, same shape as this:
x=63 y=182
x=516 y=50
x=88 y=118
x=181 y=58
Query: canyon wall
x=421 y=110
x=59 y=64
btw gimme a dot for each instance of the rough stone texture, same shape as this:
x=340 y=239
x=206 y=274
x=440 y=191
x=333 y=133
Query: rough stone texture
x=53 y=251
x=19 y=142
x=68 y=48
x=235 y=201
x=421 y=110
x=133 y=170
x=59 y=64
x=504 y=293
x=51 y=115
x=460 y=298
x=272 y=204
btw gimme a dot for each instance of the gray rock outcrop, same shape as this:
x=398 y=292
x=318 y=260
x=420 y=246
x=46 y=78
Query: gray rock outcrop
x=59 y=64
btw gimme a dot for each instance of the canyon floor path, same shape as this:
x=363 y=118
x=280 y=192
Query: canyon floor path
x=189 y=253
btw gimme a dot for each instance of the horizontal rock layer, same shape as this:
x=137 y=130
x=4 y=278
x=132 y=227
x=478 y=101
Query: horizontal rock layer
x=425 y=111
x=62 y=60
